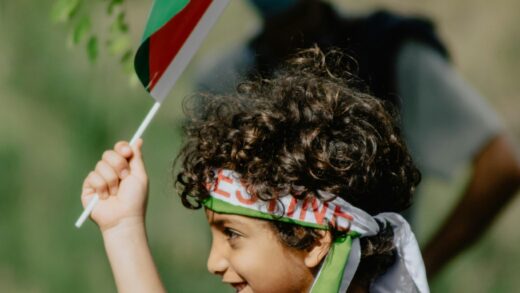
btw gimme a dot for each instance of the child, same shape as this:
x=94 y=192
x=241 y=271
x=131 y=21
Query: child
x=300 y=176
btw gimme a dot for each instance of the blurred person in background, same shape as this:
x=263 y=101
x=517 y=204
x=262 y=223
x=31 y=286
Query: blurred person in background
x=446 y=123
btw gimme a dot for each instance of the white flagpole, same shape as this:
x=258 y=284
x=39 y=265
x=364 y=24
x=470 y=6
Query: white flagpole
x=137 y=135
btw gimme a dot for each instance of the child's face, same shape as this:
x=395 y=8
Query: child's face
x=247 y=254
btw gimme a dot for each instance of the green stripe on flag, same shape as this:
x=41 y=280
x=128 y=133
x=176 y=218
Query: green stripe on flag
x=162 y=11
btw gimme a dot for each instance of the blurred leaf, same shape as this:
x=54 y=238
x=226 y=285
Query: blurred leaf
x=127 y=61
x=113 y=4
x=81 y=29
x=119 y=24
x=92 y=49
x=118 y=44
x=64 y=10
x=133 y=80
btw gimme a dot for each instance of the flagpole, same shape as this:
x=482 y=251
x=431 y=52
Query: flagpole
x=95 y=199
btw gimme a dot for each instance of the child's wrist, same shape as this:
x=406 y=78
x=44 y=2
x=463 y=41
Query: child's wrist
x=124 y=227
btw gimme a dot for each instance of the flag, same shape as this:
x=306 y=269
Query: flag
x=173 y=33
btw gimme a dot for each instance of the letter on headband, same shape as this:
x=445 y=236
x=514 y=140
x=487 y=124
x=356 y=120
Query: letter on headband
x=229 y=196
x=309 y=212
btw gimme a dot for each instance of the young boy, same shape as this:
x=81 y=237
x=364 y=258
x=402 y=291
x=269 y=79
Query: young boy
x=300 y=177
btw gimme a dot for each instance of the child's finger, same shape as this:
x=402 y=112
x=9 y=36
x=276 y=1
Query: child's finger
x=86 y=188
x=95 y=181
x=123 y=148
x=109 y=175
x=117 y=162
x=136 y=162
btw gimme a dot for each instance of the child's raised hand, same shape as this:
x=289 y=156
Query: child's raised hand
x=121 y=182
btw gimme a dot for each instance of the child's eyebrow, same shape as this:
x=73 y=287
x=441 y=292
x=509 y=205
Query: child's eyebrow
x=219 y=223
x=223 y=222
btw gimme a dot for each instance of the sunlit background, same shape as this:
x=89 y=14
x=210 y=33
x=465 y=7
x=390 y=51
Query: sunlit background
x=58 y=112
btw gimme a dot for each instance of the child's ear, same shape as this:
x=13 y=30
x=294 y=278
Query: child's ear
x=320 y=249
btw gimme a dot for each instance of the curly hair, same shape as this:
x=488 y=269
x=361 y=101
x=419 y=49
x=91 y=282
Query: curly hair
x=309 y=128
x=305 y=127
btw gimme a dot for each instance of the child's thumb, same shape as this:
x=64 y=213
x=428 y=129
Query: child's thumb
x=136 y=162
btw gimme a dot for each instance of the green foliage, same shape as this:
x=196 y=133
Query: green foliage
x=65 y=10
x=77 y=15
x=112 y=4
x=128 y=61
x=119 y=42
x=81 y=29
x=119 y=24
x=92 y=48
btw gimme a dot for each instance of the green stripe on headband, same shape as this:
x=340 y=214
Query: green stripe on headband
x=333 y=267
x=223 y=207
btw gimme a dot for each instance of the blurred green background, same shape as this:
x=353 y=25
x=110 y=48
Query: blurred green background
x=58 y=113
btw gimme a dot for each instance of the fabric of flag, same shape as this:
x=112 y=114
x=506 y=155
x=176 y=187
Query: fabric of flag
x=173 y=33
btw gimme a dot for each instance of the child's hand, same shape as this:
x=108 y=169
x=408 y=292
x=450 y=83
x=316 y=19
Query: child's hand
x=121 y=183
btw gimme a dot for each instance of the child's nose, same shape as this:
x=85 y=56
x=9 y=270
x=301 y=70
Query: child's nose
x=217 y=262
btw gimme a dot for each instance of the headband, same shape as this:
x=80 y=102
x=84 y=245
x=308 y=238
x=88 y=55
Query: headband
x=229 y=196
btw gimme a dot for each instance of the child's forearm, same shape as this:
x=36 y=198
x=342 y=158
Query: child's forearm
x=130 y=258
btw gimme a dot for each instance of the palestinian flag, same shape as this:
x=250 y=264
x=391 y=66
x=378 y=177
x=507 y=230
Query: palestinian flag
x=173 y=33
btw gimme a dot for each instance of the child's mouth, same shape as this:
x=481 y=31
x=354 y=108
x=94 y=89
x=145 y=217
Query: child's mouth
x=239 y=286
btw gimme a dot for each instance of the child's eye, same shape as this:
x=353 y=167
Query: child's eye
x=231 y=234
